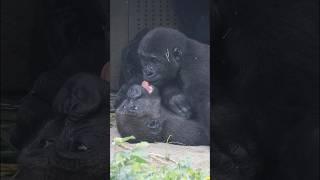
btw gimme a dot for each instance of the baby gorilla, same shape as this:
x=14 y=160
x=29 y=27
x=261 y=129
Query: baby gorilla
x=72 y=145
x=169 y=58
x=142 y=116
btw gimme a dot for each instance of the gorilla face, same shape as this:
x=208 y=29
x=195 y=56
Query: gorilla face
x=139 y=114
x=161 y=51
x=79 y=96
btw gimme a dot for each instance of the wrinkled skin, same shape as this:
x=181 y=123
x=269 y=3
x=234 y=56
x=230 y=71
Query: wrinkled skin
x=71 y=146
x=168 y=56
x=142 y=116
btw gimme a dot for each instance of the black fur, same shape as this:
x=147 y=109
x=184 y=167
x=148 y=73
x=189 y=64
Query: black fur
x=168 y=56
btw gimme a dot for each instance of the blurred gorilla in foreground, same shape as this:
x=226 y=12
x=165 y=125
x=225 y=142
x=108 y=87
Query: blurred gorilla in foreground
x=72 y=144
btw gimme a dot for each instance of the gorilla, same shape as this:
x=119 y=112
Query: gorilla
x=72 y=142
x=132 y=74
x=142 y=115
x=179 y=66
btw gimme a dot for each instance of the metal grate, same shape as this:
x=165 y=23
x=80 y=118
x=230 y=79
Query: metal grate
x=149 y=14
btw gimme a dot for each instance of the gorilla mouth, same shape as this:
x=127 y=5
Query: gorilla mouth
x=153 y=79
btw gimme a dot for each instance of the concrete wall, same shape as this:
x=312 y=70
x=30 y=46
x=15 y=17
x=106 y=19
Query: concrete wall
x=118 y=37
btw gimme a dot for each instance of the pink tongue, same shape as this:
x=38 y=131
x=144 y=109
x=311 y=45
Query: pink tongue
x=147 y=86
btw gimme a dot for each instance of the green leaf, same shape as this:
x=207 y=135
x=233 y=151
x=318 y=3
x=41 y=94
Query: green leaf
x=118 y=140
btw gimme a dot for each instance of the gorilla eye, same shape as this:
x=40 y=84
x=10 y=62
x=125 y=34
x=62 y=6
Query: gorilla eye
x=177 y=53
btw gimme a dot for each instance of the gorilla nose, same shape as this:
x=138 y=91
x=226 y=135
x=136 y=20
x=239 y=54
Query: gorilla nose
x=149 y=73
x=134 y=92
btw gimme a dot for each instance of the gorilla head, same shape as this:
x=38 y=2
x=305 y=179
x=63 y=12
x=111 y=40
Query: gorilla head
x=139 y=114
x=142 y=116
x=161 y=51
x=80 y=95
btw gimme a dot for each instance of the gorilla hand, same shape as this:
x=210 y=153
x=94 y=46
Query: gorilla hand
x=176 y=102
x=179 y=105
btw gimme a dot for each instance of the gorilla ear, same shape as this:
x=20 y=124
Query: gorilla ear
x=177 y=53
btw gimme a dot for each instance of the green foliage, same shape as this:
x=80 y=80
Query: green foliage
x=135 y=164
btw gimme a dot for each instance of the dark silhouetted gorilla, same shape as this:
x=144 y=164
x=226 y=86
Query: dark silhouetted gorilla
x=72 y=144
x=143 y=116
x=168 y=56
